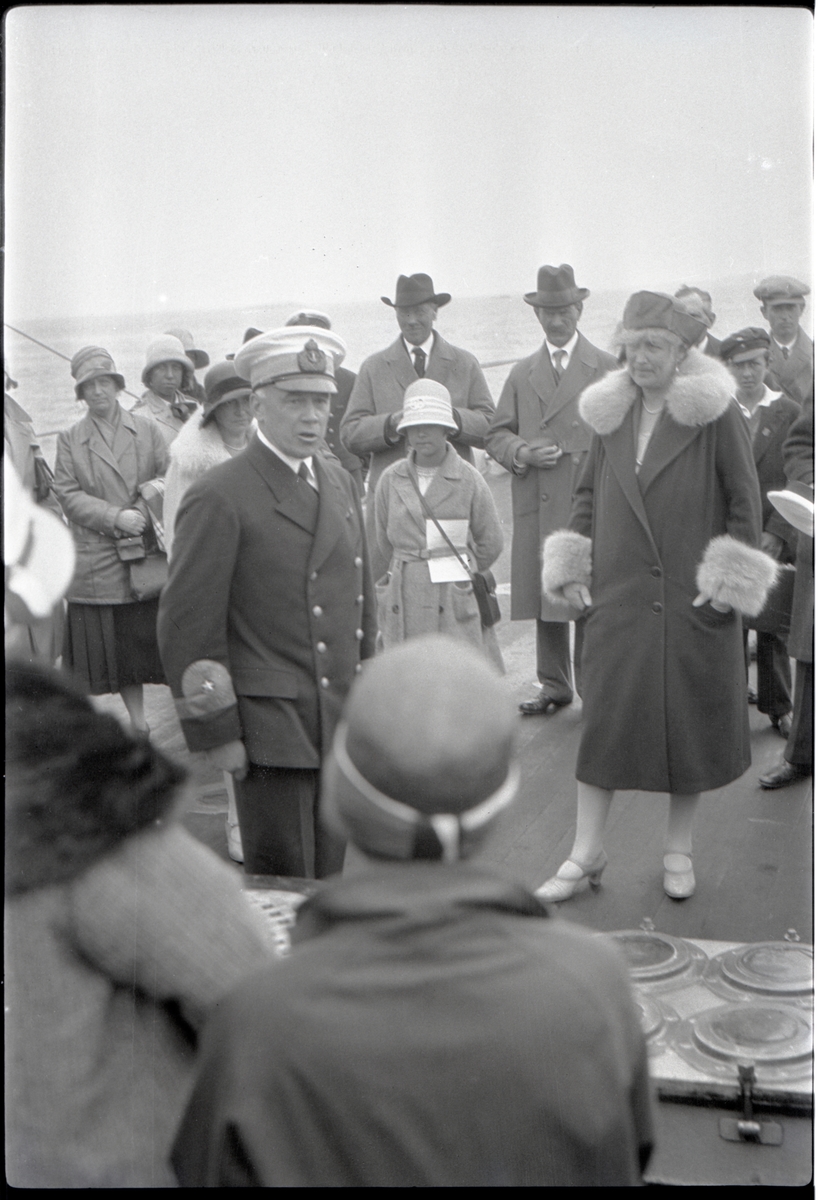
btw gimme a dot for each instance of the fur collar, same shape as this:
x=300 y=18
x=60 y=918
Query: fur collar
x=701 y=391
x=197 y=447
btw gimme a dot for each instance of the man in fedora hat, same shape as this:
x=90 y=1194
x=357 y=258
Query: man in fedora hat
x=269 y=606
x=537 y=434
x=369 y=428
x=432 y=1026
x=783 y=300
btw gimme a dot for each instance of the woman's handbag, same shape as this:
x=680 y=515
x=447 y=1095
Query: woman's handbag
x=775 y=615
x=149 y=575
x=130 y=549
x=483 y=582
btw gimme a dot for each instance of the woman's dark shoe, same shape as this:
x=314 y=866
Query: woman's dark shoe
x=784 y=774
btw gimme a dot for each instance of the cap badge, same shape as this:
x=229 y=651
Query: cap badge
x=312 y=360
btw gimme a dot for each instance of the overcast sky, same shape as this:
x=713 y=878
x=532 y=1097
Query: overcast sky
x=205 y=156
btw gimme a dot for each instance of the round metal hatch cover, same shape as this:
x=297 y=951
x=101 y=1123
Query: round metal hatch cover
x=780 y=970
x=656 y=1020
x=776 y=1038
x=658 y=958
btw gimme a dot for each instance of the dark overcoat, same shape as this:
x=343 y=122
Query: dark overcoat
x=431 y=1028
x=280 y=599
x=794 y=374
x=535 y=404
x=799 y=459
x=94 y=482
x=768 y=452
x=664 y=692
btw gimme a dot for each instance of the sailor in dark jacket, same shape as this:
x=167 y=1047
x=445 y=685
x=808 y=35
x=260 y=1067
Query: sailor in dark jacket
x=269 y=607
x=432 y=1026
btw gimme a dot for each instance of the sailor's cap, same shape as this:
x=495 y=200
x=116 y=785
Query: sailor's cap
x=298 y=358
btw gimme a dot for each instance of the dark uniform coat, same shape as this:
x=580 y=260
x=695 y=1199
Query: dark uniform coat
x=534 y=404
x=664 y=690
x=279 y=601
x=794 y=374
x=774 y=424
x=344 y=382
x=431 y=1028
x=799 y=457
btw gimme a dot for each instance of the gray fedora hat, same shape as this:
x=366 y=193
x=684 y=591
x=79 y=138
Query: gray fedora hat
x=416 y=289
x=556 y=288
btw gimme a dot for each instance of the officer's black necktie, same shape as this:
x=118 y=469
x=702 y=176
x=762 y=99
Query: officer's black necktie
x=309 y=495
x=420 y=361
x=785 y=350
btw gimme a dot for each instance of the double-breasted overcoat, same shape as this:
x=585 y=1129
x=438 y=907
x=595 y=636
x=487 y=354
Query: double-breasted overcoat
x=278 y=598
x=94 y=482
x=535 y=404
x=409 y=604
x=664 y=690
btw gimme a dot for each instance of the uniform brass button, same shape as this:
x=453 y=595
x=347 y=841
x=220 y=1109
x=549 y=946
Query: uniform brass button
x=361 y=600
x=321 y=647
x=575 y=458
x=324 y=682
x=575 y=424
x=359 y=562
x=657 y=608
x=358 y=668
x=359 y=633
x=656 y=572
x=313 y=575
x=544 y=496
x=317 y=611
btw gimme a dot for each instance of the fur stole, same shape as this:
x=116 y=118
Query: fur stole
x=197 y=448
x=700 y=392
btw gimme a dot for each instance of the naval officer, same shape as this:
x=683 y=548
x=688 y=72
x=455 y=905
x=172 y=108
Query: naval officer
x=269 y=608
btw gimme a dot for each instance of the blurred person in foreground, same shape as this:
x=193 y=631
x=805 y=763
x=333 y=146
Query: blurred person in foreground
x=103 y=463
x=269 y=607
x=538 y=436
x=699 y=304
x=662 y=552
x=369 y=428
x=799 y=507
x=769 y=414
x=432 y=1026
x=121 y=934
x=792 y=358
x=344 y=381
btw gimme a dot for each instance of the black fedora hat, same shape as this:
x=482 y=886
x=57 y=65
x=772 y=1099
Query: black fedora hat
x=556 y=288
x=416 y=289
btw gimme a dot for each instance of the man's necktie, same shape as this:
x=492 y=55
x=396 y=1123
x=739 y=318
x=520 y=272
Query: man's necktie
x=304 y=473
x=785 y=350
x=559 y=355
x=308 y=493
x=420 y=361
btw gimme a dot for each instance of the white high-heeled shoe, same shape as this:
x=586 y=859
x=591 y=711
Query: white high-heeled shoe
x=568 y=878
x=680 y=882
x=234 y=846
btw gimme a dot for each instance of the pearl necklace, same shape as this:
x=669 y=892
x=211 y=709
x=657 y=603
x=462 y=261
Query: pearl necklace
x=653 y=411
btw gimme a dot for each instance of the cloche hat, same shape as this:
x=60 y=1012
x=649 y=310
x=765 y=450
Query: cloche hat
x=421 y=763
x=222 y=383
x=91 y=363
x=167 y=348
x=657 y=310
x=199 y=358
x=416 y=289
x=297 y=358
x=556 y=288
x=426 y=402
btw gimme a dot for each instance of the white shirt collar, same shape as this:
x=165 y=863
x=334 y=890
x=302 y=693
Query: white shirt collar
x=568 y=348
x=786 y=345
x=426 y=346
x=768 y=398
x=292 y=463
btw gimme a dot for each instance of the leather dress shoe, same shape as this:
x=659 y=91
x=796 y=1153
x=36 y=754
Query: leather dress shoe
x=543 y=705
x=782 y=725
x=752 y=696
x=783 y=774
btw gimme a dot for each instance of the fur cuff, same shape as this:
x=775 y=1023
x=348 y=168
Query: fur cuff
x=733 y=573
x=566 y=558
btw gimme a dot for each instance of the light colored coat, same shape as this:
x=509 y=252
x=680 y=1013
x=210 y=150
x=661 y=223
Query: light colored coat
x=154 y=408
x=197 y=449
x=792 y=375
x=378 y=391
x=663 y=683
x=409 y=604
x=534 y=404
x=93 y=483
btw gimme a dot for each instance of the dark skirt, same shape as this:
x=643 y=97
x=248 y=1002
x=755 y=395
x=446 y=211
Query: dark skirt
x=111 y=646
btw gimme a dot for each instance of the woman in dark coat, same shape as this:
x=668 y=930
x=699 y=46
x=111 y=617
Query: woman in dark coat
x=110 y=638
x=662 y=552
